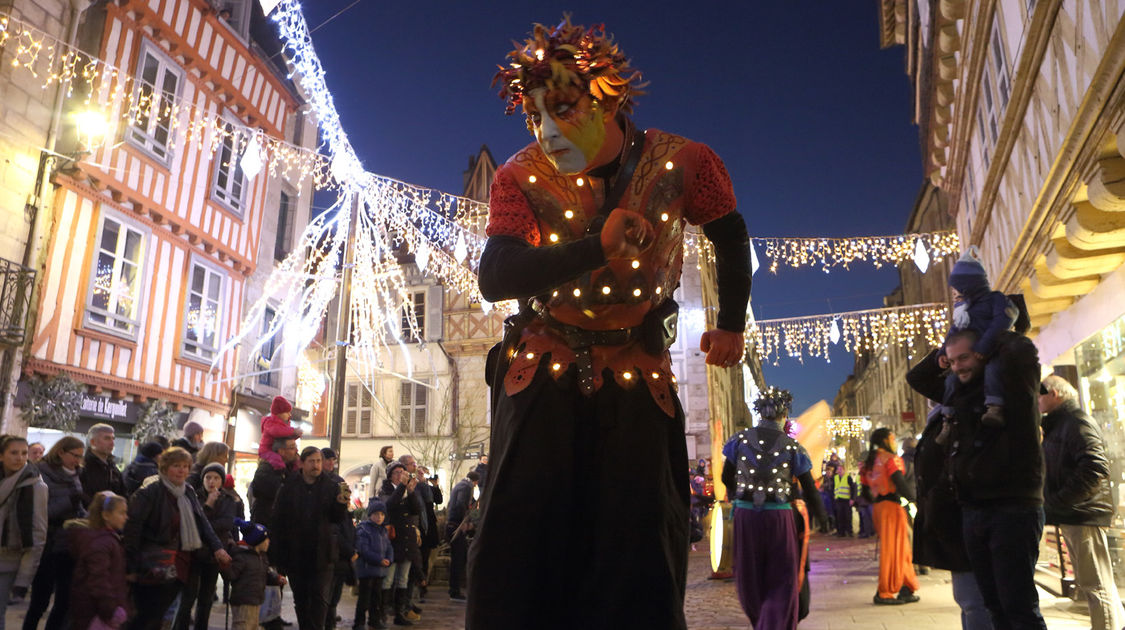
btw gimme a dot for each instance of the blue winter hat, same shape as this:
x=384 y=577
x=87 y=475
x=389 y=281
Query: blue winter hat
x=968 y=275
x=252 y=533
x=376 y=505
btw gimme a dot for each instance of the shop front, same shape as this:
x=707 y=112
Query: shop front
x=119 y=413
x=1096 y=366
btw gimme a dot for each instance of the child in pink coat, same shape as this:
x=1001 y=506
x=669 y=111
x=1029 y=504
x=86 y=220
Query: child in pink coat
x=276 y=426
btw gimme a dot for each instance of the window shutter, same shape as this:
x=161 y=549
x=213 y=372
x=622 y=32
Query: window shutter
x=351 y=413
x=434 y=323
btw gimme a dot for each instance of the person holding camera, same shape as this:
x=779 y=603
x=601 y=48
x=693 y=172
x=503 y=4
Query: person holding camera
x=403 y=510
x=306 y=516
x=456 y=524
x=429 y=492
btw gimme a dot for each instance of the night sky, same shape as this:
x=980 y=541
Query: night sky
x=812 y=119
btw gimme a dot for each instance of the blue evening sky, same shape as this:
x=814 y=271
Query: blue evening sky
x=812 y=119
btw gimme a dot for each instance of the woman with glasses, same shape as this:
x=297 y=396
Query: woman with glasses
x=59 y=470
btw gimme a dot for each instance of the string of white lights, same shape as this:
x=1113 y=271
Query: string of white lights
x=860 y=331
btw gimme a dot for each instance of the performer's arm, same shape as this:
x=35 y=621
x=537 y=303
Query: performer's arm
x=732 y=269
x=812 y=498
x=728 y=477
x=512 y=268
x=902 y=487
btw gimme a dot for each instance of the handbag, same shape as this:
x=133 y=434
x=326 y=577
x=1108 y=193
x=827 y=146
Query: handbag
x=158 y=566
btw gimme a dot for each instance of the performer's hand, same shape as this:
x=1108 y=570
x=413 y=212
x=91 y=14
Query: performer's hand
x=626 y=234
x=723 y=347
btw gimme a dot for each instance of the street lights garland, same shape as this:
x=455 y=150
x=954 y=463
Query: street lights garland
x=444 y=232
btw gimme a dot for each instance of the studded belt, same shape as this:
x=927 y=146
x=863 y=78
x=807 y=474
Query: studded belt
x=581 y=340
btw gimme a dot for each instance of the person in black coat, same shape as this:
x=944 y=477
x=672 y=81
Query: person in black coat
x=59 y=470
x=306 y=517
x=403 y=510
x=997 y=471
x=268 y=481
x=429 y=492
x=99 y=467
x=343 y=574
x=1078 y=497
x=223 y=508
x=459 y=500
x=167 y=529
x=938 y=541
x=143 y=466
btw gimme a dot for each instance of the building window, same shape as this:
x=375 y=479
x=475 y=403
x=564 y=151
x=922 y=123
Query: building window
x=359 y=407
x=412 y=408
x=284 y=226
x=114 y=299
x=236 y=13
x=268 y=377
x=229 y=180
x=158 y=83
x=415 y=302
x=1000 y=66
x=204 y=312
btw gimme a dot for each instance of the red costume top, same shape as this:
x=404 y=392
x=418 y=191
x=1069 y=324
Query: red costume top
x=676 y=180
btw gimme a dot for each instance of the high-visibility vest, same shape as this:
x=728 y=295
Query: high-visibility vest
x=843 y=490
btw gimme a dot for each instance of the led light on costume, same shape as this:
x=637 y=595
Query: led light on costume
x=762 y=458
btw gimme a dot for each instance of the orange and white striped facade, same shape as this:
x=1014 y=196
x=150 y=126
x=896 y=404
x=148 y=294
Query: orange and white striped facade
x=171 y=207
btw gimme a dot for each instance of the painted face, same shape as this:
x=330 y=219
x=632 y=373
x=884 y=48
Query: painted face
x=568 y=125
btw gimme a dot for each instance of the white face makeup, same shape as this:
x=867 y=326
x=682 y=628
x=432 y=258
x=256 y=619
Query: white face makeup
x=567 y=158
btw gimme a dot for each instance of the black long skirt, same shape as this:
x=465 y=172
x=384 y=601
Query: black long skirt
x=585 y=516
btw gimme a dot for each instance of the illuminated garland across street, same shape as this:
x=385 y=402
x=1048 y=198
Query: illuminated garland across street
x=826 y=253
x=443 y=232
x=849 y=427
x=860 y=331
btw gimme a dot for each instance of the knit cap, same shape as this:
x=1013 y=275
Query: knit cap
x=216 y=468
x=193 y=428
x=280 y=405
x=376 y=505
x=968 y=275
x=252 y=533
x=151 y=450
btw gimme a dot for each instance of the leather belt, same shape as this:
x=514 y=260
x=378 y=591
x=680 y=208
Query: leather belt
x=581 y=340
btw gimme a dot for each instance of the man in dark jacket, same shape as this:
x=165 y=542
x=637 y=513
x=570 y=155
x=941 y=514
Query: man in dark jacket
x=403 y=513
x=305 y=531
x=938 y=541
x=142 y=467
x=267 y=482
x=430 y=494
x=343 y=573
x=1078 y=497
x=459 y=499
x=99 y=470
x=997 y=471
x=192 y=440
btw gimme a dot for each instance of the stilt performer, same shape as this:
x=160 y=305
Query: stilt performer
x=585 y=517
x=759 y=468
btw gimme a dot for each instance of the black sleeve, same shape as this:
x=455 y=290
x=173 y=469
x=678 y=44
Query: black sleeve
x=903 y=488
x=812 y=498
x=927 y=377
x=732 y=268
x=728 y=478
x=511 y=268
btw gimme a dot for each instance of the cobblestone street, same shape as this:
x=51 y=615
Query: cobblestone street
x=843 y=581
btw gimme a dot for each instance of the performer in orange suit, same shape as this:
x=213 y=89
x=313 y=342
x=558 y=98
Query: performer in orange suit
x=882 y=477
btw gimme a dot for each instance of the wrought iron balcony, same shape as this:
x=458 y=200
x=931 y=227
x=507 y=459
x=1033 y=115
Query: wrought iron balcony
x=16 y=285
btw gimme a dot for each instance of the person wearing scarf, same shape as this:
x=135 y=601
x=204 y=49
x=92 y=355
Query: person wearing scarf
x=23 y=520
x=166 y=527
x=59 y=470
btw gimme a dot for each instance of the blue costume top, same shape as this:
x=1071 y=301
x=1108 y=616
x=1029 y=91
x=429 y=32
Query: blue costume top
x=766 y=461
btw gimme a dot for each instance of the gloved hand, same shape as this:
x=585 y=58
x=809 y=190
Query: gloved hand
x=19 y=592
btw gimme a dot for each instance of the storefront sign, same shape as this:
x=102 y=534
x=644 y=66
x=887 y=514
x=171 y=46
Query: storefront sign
x=908 y=416
x=111 y=409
